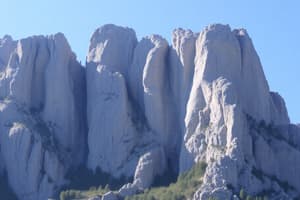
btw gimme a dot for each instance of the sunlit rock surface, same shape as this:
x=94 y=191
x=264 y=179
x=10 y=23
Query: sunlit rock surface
x=139 y=109
x=42 y=120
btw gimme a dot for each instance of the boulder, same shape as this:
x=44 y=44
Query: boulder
x=151 y=165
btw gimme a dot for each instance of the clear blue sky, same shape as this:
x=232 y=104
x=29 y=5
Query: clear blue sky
x=274 y=26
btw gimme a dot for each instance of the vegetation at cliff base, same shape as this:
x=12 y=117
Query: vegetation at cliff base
x=184 y=188
x=186 y=185
x=83 y=194
x=84 y=183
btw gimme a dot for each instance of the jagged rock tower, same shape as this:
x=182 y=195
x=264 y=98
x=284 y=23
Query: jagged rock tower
x=141 y=108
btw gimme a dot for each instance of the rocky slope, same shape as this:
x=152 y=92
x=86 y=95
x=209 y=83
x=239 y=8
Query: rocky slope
x=142 y=109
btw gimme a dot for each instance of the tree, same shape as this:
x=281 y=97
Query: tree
x=242 y=194
x=249 y=198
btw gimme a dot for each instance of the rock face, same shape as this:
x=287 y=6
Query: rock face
x=110 y=54
x=182 y=54
x=125 y=90
x=42 y=121
x=223 y=123
x=203 y=88
x=142 y=108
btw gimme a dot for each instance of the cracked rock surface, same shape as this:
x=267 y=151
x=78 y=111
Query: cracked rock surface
x=143 y=108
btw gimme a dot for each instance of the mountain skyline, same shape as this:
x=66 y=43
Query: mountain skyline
x=271 y=24
x=141 y=110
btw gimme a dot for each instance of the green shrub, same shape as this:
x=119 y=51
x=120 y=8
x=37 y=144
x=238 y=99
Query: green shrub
x=70 y=195
x=184 y=188
x=249 y=198
x=242 y=194
x=262 y=196
x=85 y=183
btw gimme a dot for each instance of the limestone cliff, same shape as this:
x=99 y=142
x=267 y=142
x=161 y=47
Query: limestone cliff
x=142 y=109
x=42 y=107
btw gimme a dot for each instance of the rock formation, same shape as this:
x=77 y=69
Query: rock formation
x=42 y=107
x=143 y=108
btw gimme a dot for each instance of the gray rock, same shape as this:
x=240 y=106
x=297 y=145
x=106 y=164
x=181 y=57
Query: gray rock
x=227 y=75
x=151 y=165
x=110 y=89
x=41 y=120
x=109 y=112
x=110 y=196
x=150 y=107
x=110 y=106
x=7 y=46
x=112 y=46
x=181 y=55
x=95 y=198
x=128 y=190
